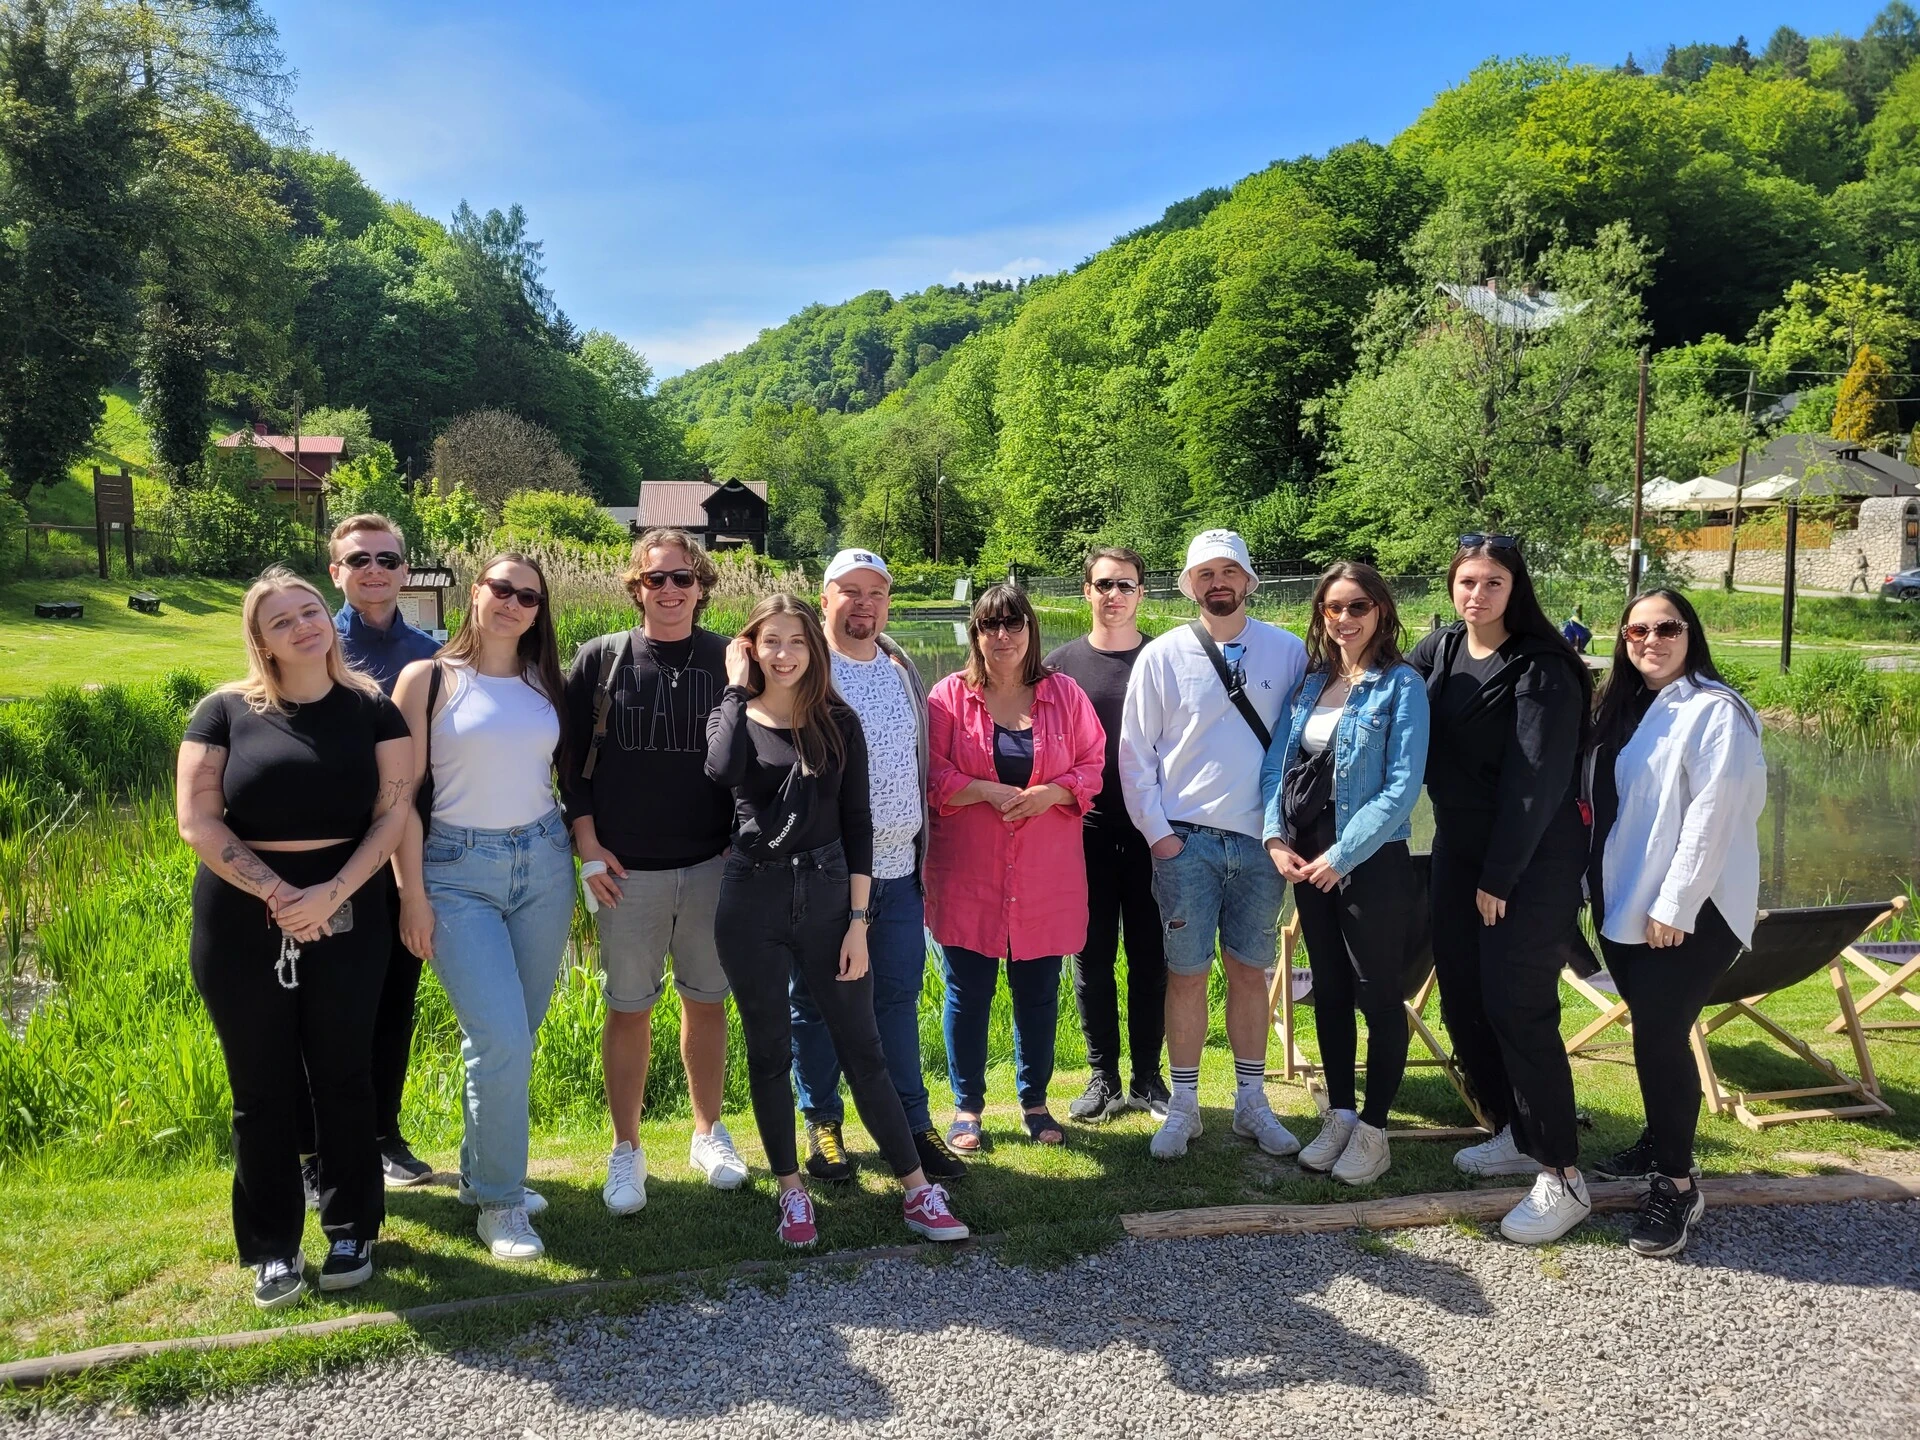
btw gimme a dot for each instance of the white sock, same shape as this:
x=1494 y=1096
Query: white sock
x=1250 y=1080
x=1186 y=1084
x=1352 y=1117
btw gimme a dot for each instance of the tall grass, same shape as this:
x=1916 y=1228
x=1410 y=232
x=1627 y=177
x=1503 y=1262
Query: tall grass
x=1835 y=697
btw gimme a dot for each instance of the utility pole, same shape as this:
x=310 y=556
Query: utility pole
x=939 y=483
x=1787 y=596
x=1739 y=486
x=1634 y=558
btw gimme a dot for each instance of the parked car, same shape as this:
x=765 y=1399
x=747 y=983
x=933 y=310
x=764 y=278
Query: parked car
x=1904 y=586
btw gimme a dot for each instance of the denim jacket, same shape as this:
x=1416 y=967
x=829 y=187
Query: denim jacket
x=1379 y=760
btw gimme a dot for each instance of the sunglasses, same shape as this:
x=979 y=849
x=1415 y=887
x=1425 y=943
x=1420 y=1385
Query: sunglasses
x=1111 y=586
x=1358 y=609
x=660 y=579
x=361 y=559
x=1473 y=540
x=1640 y=631
x=1003 y=625
x=507 y=590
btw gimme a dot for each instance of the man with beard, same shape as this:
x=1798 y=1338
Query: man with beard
x=1200 y=712
x=880 y=682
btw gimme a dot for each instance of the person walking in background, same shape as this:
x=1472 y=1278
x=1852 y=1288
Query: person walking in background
x=293 y=787
x=1201 y=709
x=795 y=896
x=1679 y=781
x=1119 y=867
x=1016 y=759
x=1339 y=789
x=875 y=677
x=1510 y=701
x=369 y=566
x=488 y=896
x=651 y=832
x=1859 y=574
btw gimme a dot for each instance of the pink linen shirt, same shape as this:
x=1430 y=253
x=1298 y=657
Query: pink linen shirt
x=1000 y=887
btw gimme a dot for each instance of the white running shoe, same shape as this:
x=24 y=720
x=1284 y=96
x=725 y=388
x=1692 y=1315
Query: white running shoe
x=509 y=1234
x=1366 y=1157
x=1498 y=1156
x=1254 y=1120
x=713 y=1155
x=626 y=1187
x=1552 y=1208
x=1330 y=1144
x=1181 y=1125
x=531 y=1200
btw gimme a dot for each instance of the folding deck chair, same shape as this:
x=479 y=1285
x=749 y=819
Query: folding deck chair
x=1868 y=957
x=1293 y=985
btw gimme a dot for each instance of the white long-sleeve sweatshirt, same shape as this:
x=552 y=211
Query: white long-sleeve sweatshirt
x=1186 y=752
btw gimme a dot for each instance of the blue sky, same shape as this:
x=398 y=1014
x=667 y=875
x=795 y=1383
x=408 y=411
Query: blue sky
x=699 y=171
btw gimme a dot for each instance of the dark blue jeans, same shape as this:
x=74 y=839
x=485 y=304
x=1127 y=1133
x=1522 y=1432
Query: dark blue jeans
x=971 y=980
x=897 y=958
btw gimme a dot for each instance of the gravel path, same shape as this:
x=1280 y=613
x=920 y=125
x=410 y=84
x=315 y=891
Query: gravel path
x=1793 y=1321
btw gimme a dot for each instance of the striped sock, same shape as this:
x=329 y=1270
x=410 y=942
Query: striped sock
x=1186 y=1084
x=1250 y=1080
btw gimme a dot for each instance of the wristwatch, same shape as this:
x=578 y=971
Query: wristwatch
x=859 y=914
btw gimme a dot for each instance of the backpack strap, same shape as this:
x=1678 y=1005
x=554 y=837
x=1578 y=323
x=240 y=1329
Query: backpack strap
x=1236 y=692
x=603 y=704
x=423 y=793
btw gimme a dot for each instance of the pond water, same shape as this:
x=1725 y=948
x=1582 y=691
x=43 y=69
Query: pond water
x=1839 y=824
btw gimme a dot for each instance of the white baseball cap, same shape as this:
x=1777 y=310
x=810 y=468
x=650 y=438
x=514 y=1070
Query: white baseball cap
x=855 y=560
x=1217 y=545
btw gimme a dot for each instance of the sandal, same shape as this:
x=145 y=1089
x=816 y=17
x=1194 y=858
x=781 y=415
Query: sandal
x=1040 y=1124
x=966 y=1136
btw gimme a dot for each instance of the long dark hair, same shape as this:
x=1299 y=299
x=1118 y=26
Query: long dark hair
x=817 y=738
x=1625 y=685
x=1384 y=652
x=1524 y=615
x=538 y=648
x=1001 y=602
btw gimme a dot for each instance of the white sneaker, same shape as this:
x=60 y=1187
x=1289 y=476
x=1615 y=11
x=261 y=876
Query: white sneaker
x=1254 y=1120
x=531 y=1200
x=509 y=1234
x=1366 y=1157
x=626 y=1187
x=1498 y=1156
x=713 y=1155
x=1331 y=1143
x=1552 y=1208
x=1181 y=1125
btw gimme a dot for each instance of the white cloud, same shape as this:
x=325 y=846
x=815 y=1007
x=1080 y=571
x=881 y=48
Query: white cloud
x=672 y=351
x=1013 y=270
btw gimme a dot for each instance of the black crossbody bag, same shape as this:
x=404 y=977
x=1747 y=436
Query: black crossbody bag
x=1235 y=692
x=423 y=792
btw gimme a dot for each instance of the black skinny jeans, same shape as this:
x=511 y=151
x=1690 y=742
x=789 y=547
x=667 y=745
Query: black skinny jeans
x=1500 y=984
x=1666 y=990
x=776 y=917
x=1120 y=891
x=275 y=1039
x=1357 y=940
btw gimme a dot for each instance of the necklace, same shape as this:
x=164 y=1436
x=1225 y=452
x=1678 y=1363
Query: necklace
x=673 y=675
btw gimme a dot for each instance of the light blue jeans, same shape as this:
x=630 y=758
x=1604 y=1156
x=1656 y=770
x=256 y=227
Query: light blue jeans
x=502 y=905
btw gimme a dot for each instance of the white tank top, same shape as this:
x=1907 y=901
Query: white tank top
x=492 y=752
x=1317 y=733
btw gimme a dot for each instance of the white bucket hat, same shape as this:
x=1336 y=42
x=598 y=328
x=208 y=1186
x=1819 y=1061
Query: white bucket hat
x=1217 y=545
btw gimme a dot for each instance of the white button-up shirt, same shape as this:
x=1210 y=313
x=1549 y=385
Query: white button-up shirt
x=1692 y=782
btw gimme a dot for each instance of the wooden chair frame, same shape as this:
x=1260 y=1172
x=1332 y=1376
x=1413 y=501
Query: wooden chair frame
x=1888 y=985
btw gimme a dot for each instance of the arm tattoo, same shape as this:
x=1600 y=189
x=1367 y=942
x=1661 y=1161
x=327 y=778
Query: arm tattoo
x=244 y=863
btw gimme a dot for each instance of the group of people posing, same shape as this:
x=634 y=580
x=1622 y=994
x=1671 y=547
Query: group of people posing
x=785 y=815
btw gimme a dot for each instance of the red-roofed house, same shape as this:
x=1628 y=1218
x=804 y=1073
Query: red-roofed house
x=725 y=516
x=301 y=485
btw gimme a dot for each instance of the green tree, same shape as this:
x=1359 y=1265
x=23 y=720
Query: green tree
x=542 y=517
x=792 y=451
x=1864 y=411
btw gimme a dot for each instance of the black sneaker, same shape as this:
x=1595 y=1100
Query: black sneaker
x=1150 y=1095
x=310 y=1179
x=1636 y=1162
x=400 y=1167
x=1666 y=1219
x=937 y=1158
x=279 y=1283
x=348 y=1263
x=1101 y=1100
x=827 y=1152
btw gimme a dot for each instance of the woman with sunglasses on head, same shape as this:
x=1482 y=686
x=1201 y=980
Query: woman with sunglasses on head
x=1016 y=757
x=1678 y=783
x=794 y=897
x=487 y=896
x=1510 y=701
x=293 y=789
x=1340 y=784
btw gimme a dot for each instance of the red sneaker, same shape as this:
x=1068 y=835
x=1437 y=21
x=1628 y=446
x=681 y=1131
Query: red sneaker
x=796 y=1220
x=928 y=1215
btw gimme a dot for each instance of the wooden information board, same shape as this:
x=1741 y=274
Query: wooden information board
x=113 y=504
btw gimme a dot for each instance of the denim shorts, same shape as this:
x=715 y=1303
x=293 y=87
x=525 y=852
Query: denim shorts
x=1221 y=884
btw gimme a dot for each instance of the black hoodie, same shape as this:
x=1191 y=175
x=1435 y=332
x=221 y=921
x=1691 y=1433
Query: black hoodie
x=1502 y=771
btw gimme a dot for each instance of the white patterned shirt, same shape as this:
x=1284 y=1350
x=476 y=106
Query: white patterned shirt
x=877 y=691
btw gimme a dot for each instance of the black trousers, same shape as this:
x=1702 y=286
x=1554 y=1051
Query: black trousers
x=1120 y=892
x=1666 y=990
x=392 y=1030
x=1357 y=939
x=1500 y=984
x=777 y=917
x=274 y=1039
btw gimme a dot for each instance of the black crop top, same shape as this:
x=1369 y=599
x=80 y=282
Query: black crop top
x=753 y=761
x=307 y=775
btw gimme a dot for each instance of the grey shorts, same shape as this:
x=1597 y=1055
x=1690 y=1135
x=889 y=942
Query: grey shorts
x=661 y=913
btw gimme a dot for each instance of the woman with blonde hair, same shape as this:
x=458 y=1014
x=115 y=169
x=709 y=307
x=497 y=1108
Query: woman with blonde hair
x=794 y=896
x=293 y=789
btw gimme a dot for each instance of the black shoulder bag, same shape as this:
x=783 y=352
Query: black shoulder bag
x=1235 y=691
x=603 y=704
x=423 y=793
